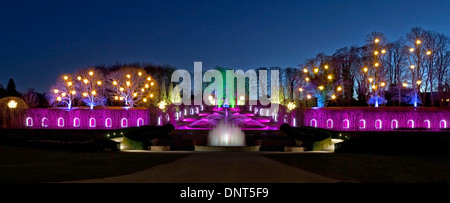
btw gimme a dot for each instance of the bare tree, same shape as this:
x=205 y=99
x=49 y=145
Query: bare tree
x=417 y=55
x=63 y=91
x=131 y=85
x=90 y=85
x=31 y=98
x=441 y=58
x=396 y=63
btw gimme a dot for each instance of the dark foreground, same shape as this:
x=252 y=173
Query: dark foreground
x=370 y=168
x=32 y=165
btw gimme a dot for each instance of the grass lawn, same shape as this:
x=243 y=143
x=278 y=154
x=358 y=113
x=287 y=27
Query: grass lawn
x=369 y=168
x=33 y=165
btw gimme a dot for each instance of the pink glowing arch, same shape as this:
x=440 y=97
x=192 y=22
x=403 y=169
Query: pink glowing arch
x=29 y=122
x=76 y=122
x=346 y=124
x=108 y=122
x=362 y=124
x=140 y=122
x=329 y=123
x=44 y=122
x=92 y=122
x=378 y=124
x=442 y=124
x=427 y=124
x=394 y=124
x=60 y=122
x=124 y=123
x=313 y=123
x=410 y=123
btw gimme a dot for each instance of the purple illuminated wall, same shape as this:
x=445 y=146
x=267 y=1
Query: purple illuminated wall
x=377 y=119
x=342 y=119
x=107 y=118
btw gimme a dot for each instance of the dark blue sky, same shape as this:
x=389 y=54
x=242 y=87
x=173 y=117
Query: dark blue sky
x=41 y=39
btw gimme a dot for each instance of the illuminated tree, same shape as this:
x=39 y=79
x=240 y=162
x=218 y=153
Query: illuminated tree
x=417 y=57
x=130 y=85
x=90 y=86
x=63 y=91
x=318 y=81
x=376 y=66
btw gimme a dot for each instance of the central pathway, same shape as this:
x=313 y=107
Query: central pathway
x=219 y=167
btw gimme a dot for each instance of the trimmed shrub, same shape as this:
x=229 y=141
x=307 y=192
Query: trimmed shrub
x=312 y=138
x=132 y=144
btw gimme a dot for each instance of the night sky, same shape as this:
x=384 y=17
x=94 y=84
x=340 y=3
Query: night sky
x=41 y=39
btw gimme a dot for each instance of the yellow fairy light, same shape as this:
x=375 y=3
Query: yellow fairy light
x=418 y=42
x=330 y=77
x=316 y=70
x=69 y=84
x=365 y=69
x=142 y=90
x=99 y=82
x=135 y=94
x=145 y=99
x=66 y=77
x=91 y=73
x=63 y=94
x=308 y=96
x=412 y=66
x=383 y=51
x=140 y=73
x=300 y=89
x=419 y=82
x=375 y=53
x=151 y=84
x=370 y=79
x=333 y=96
x=405 y=84
x=114 y=82
x=146 y=86
x=305 y=70
x=374 y=87
x=13 y=104
x=382 y=84
x=151 y=95
x=85 y=94
x=93 y=92
x=121 y=89
x=428 y=52
x=339 y=88
x=128 y=76
x=149 y=78
x=128 y=83
x=326 y=67
x=411 y=50
x=121 y=98
x=291 y=106
x=377 y=40
x=116 y=97
x=74 y=92
x=58 y=98
x=377 y=64
x=162 y=104
x=86 y=81
x=79 y=78
x=307 y=79
x=56 y=91
x=321 y=87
